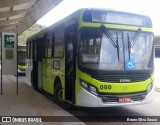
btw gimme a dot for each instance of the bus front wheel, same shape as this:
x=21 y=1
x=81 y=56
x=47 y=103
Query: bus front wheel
x=59 y=98
x=58 y=93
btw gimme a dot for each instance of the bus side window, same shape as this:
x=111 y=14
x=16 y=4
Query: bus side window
x=40 y=49
x=69 y=53
x=45 y=47
x=48 y=39
x=35 y=50
x=59 y=43
x=53 y=36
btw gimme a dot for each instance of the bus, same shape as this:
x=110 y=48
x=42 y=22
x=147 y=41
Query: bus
x=94 y=58
x=21 y=60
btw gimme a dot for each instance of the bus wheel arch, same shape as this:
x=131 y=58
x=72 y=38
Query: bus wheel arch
x=58 y=95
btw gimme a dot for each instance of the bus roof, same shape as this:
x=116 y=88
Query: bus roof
x=75 y=14
x=116 y=17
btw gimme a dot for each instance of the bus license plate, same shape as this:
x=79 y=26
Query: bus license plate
x=125 y=99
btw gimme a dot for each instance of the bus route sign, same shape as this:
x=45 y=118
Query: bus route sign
x=9 y=53
x=9 y=41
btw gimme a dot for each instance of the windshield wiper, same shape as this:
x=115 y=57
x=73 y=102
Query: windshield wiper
x=135 y=37
x=111 y=39
x=117 y=45
x=129 y=46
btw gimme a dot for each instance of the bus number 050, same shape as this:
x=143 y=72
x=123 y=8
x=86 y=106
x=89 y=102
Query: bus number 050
x=106 y=87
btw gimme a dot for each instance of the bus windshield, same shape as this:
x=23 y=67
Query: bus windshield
x=96 y=50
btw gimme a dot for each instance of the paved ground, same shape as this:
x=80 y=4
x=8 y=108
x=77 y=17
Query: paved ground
x=28 y=103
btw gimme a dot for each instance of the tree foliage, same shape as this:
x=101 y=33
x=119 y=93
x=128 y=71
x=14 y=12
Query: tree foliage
x=28 y=33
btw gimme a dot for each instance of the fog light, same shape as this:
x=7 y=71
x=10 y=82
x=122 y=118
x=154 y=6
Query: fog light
x=149 y=88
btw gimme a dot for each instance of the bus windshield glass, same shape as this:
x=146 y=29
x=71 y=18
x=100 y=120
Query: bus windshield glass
x=96 y=50
x=141 y=51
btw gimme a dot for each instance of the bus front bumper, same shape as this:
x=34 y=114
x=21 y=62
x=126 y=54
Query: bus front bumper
x=86 y=99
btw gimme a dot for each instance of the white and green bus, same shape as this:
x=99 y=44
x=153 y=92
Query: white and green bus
x=94 y=58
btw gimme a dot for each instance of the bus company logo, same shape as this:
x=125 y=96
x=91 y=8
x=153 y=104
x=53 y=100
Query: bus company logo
x=6 y=119
x=125 y=80
x=125 y=88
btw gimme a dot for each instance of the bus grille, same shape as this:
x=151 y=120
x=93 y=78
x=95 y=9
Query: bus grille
x=116 y=78
x=115 y=98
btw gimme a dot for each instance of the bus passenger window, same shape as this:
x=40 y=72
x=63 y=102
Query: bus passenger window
x=48 y=41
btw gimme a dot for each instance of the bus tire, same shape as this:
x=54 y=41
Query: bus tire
x=58 y=97
x=58 y=93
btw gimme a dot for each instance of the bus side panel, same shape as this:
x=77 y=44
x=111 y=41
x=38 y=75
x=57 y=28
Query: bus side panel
x=56 y=71
x=49 y=83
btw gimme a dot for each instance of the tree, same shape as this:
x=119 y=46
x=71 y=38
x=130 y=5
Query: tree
x=28 y=33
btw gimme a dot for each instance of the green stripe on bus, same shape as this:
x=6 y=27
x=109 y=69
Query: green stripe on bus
x=115 y=26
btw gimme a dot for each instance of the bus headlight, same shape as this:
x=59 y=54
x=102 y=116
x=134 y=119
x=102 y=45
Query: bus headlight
x=92 y=89
x=149 y=88
x=84 y=84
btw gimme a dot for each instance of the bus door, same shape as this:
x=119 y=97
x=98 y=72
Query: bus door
x=70 y=62
x=35 y=66
x=39 y=59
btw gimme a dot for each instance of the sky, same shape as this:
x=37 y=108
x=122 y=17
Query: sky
x=150 y=8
